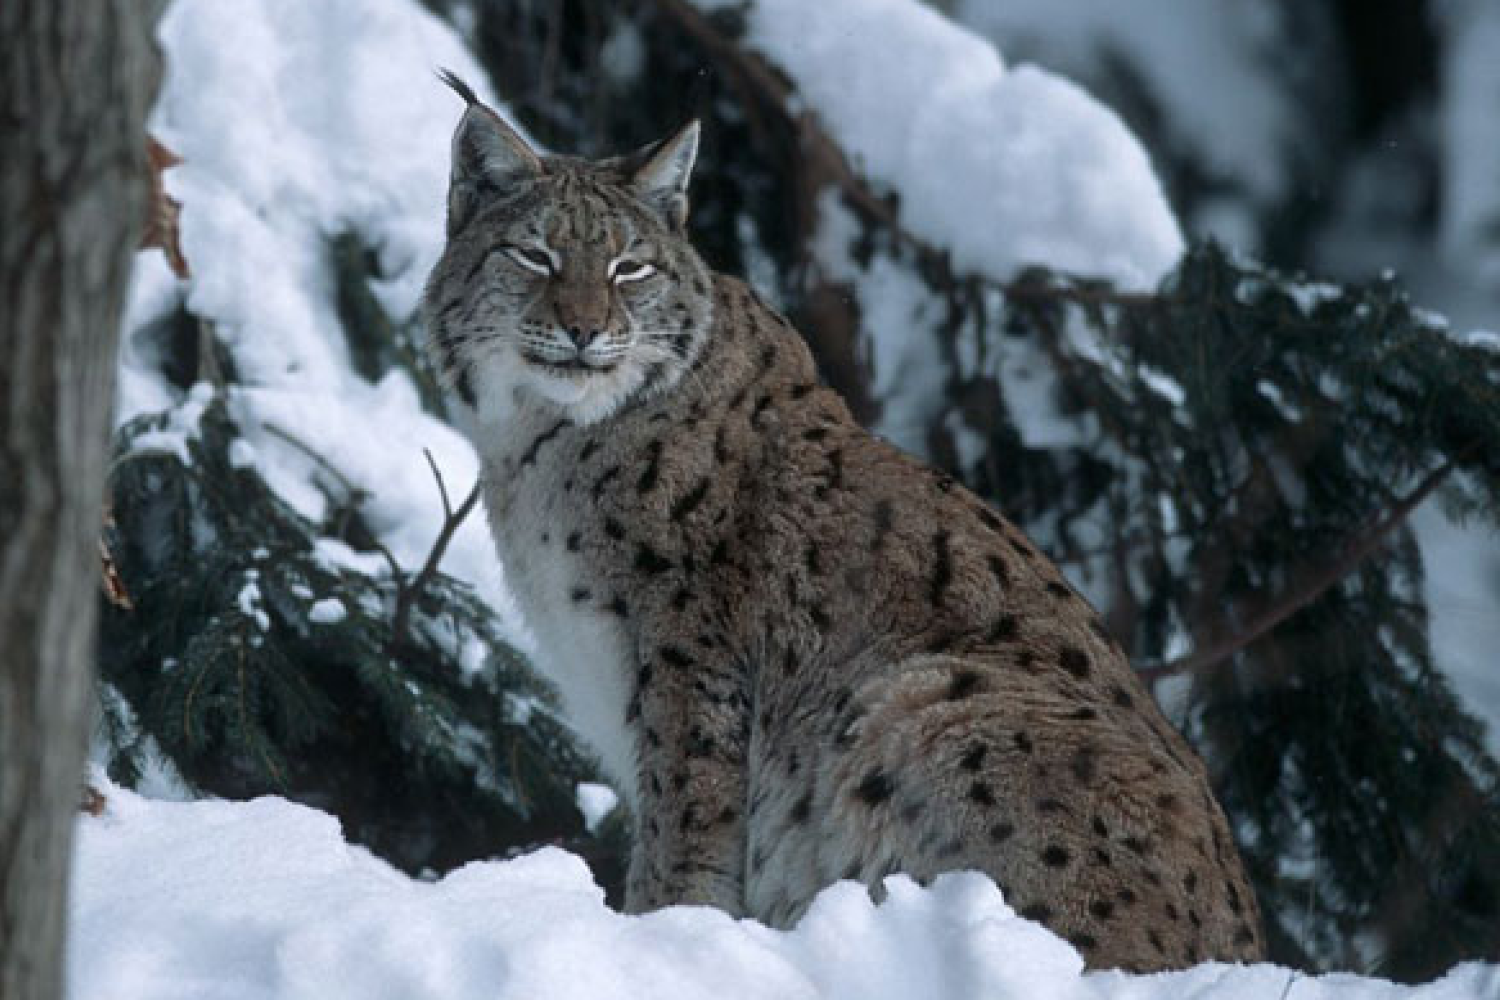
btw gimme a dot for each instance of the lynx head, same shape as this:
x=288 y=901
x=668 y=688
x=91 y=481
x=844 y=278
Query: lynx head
x=565 y=282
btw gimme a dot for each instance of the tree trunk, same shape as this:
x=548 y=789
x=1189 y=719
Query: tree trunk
x=76 y=77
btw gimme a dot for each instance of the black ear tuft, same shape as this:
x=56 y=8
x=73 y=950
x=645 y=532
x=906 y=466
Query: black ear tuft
x=455 y=81
x=488 y=155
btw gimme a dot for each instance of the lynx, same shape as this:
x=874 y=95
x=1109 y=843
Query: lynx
x=802 y=655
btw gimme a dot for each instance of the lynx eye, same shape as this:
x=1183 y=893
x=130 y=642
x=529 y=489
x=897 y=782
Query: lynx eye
x=532 y=259
x=623 y=269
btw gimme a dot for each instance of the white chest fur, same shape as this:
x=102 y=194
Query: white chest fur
x=580 y=648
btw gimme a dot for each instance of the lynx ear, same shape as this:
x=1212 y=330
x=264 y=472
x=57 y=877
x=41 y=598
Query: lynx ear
x=486 y=152
x=661 y=172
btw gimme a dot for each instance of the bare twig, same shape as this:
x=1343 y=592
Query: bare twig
x=442 y=486
x=1313 y=585
x=408 y=590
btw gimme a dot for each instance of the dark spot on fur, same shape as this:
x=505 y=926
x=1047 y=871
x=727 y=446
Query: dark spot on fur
x=1058 y=589
x=760 y=407
x=619 y=607
x=884 y=520
x=982 y=793
x=649 y=561
x=580 y=594
x=605 y=478
x=721 y=445
x=1047 y=804
x=802 y=809
x=810 y=558
x=1126 y=896
x=1023 y=743
x=690 y=500
x=1167 y=802
x=1083 y=942
x=1244 y=935
x=964 y=683
x=1083 y=764
x=1084 y=714
x=1075 y=661
x=1156 y=942
x=587 y=451
x=676 y=657
x=1100 y=828
x=835 y=475
x=990 y=518
x=573 y=540
x=974 y=758
x=1190 y=883
x=465 y=386
x=1135 y=845
x=1234 y=899
x=942 y=567
x=614 y=529
x=1171 y=911
x=1002 y=831
x=815 y=434
x=649 y=476
x=875 y=789
x=1005 y=629
x=1054 y=856
x=1099 y=857
x=1040 y=912
x=1121 y=697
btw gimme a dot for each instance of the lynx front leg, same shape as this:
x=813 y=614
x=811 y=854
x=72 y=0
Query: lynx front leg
x=690 y=824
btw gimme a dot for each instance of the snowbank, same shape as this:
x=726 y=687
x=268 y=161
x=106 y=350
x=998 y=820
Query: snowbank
x=261 y=900
x=1004 y=167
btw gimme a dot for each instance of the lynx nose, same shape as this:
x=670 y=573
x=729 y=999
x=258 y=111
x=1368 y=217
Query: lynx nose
x=582 y=338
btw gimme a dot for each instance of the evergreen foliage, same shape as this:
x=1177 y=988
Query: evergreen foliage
x=1251 y=445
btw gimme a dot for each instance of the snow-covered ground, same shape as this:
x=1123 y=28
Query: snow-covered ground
x=264 y=900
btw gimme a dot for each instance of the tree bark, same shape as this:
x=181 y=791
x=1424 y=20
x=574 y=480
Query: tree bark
x=76 y=77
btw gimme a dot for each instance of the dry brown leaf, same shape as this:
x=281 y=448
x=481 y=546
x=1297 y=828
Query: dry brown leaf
x=162 y=213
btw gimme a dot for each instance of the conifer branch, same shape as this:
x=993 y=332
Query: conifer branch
x=1313 y=585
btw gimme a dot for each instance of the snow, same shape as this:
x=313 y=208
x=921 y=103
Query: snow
x=319 y=119
x=264 y=900
x=327 y=611
x=1470 y=135
x=1002 y=166
x=1462 y=590
x=596 y=802
x=1212 y=69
